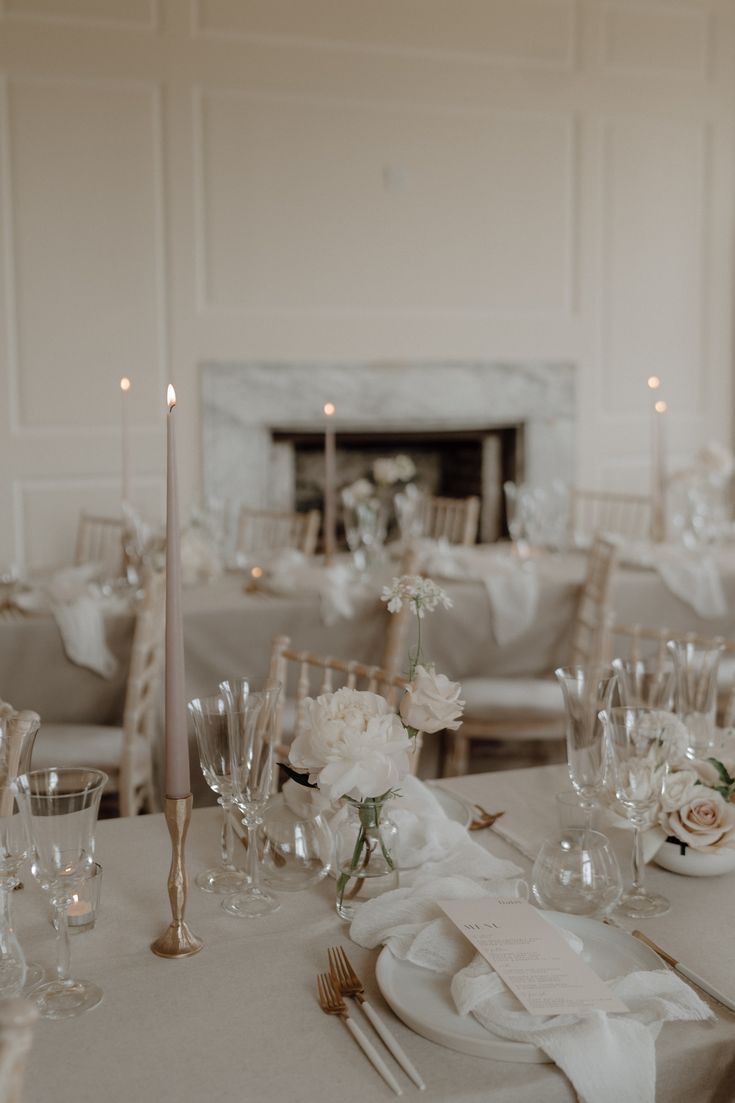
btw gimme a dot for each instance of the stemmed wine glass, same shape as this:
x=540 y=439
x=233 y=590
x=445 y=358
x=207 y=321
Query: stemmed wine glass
x=645 y=683
x=251 y=718
x=59 y=807
x=209 y=715
x=587 y=690
x=639 y=752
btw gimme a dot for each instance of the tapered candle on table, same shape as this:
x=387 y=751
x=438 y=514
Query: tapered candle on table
x=177 y=745
x=330 y=474
x=124 y=433
x=658 y=464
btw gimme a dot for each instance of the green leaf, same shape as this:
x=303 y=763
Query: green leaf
x=721 y=770
x=300 y=779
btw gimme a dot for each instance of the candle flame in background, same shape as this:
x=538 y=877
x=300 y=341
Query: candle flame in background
x=654 y=382
x=257 y=572
x=170 y=397
x=330 y=409
x=660 y=407
x=125 y=384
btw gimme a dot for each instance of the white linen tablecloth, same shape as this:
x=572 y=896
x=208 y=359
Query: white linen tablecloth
x=240 y=1020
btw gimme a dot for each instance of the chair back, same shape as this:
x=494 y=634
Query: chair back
x=264 y=530
x=141 y=697
x=592 y=620
x=453 y=519
x=596 y=511
x=304 y=674
x=100 y=540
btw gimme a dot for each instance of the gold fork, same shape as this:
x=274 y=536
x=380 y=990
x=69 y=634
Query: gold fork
x=332 y=1003
x=348 y=983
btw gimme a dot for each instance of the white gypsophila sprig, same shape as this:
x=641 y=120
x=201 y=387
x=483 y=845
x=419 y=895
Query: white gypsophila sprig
x=421 y=594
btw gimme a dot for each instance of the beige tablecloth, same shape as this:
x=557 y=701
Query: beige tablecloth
x=240 y=1020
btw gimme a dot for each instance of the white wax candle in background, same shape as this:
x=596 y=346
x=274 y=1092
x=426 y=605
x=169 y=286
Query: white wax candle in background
x=125 y=439
x=658 y=463
x=330 y=475
x=176 y=773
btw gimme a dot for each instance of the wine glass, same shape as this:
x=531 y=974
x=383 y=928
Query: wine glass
x=13 y=847
x=209 y=715
x=250 y=718
x=697 y=667
x=59 y=807
x=645 y=683
x=587 y=690
x=638 y=748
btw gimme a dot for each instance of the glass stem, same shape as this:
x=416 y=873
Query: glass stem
x=63 y=949
x=6 y=924
x=227 y=840
x=638 y=863
x=253 y=868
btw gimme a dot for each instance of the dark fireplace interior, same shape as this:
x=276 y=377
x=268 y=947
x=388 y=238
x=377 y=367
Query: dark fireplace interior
x=450 y=463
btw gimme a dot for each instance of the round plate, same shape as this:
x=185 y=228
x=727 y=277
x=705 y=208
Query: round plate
x=423 y=1001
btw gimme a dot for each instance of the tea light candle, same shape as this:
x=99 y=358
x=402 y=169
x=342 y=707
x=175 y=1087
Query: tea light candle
x=330 y=471
x=80 y=912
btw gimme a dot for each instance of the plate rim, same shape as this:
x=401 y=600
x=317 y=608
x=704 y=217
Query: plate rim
x=494 y=1047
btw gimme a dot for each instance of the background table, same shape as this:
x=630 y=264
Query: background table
x=240 y=1020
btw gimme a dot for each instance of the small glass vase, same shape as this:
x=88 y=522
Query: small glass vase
x=365 y=845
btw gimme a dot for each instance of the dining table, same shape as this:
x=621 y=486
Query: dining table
x=240 y=1019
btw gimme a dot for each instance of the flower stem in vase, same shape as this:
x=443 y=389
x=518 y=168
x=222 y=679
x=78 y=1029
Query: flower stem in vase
x=365 y=844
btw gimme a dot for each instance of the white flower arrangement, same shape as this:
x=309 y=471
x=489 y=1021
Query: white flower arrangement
x=388 y=471
x=697 y=808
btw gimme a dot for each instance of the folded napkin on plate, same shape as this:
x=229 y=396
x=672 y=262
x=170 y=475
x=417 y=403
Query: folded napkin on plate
x=74 y=601
x=606 y=1057
x=511 y=583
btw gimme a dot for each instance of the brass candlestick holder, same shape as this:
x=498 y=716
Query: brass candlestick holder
x=177 y=940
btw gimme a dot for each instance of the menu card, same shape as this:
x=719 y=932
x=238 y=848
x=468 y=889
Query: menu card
x=531 y=956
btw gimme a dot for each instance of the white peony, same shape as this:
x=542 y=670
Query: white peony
x=431 y=702
x=706 y=822
x=386 y=472
x=352 y=745
x=359 y=491
x=405 y=468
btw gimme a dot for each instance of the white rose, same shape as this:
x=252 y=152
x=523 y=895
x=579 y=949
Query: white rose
x=431 y=702
x=706 y=822
x=359 y=491
x=352 y=745
x=385 y=472
x=679 y=788
x=405 y=468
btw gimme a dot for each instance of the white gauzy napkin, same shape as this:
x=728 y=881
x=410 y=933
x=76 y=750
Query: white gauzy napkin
x=512 y=584
x=75 y=604
x=606 y=1057
x=342 y=595
x=693 y=578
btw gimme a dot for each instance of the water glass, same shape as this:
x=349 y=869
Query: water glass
x=587 y=691
x=645 y=683
x=697 y=667
x=59 y=807
x=639 y=750
x=209 y=715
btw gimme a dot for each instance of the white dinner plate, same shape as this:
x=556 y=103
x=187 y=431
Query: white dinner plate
x=423 y=1001
x=453 y=807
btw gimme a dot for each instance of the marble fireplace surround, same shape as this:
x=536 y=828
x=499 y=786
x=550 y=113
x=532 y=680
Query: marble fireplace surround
x=244 y=403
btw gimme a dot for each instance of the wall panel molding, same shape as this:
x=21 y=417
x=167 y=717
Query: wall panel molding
x=52 y=13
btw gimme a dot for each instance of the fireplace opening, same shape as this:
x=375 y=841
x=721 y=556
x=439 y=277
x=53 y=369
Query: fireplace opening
x=452 y=463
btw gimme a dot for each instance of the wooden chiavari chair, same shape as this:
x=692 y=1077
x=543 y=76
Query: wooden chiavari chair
x=264 y=530
x=593 y=512
x=452 y=519
x=100 y=540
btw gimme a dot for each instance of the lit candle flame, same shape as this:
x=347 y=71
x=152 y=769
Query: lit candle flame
x=256 y=572
x=330 y=409
x=654 y=382
x=661 y=407
x=170 y=397
x=125 y=384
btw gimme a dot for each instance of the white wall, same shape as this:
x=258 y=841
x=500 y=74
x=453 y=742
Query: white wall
x=298 y=179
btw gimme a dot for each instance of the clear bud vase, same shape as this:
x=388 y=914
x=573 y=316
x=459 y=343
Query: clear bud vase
x=365 y=844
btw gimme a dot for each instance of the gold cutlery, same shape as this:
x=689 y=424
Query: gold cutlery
x=685 y=971
x=483 y=819
x=349 y=984
x=331 y=1003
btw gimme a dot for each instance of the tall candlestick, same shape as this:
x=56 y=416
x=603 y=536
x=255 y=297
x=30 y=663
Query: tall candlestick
x=177 y=782
x=658 y=464
x=330 y=472
x=124 y=431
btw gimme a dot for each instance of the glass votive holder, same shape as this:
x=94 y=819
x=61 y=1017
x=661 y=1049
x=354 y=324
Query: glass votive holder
x=81 y=914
